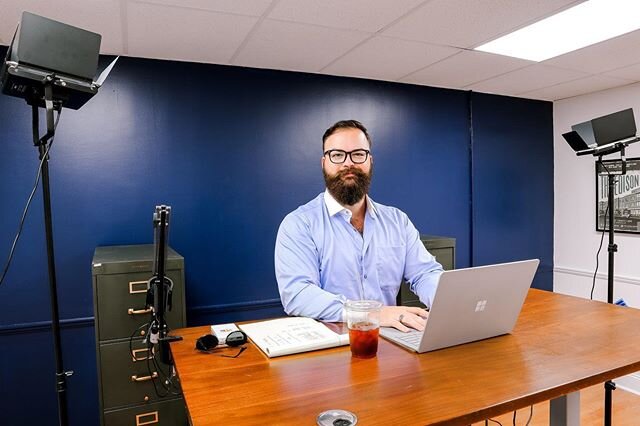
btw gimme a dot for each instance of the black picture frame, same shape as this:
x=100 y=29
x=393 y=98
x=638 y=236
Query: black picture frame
x=626 y=197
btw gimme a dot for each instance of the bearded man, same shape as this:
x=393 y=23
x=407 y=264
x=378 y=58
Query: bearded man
x=344 y=246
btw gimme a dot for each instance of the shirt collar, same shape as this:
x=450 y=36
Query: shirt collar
x=334 y=207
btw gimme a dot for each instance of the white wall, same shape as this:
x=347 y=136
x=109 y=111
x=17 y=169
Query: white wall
x=575 y=239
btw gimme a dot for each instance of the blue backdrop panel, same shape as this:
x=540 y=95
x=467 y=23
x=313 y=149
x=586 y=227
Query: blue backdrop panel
x=233 y=150
x=513 y=182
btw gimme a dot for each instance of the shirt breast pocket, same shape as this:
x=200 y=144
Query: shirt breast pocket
x=390 y=265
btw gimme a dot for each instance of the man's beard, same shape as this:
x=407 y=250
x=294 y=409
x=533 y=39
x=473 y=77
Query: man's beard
x=351 y=190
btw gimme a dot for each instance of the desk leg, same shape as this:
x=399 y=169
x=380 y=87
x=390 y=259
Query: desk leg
x=565 y=411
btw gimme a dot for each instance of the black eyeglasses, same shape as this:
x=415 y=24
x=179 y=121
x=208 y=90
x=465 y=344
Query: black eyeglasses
x=338 y=156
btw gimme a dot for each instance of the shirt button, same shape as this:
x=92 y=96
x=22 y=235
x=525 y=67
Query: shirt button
x=365 y=276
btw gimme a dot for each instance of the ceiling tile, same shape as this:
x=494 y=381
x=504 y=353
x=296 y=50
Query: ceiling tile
x=464 y=23
x=102 y=17
x=185 y=34
x=526 y=79
x=598 y=58
x=360 y=15
x=465 y=68
x=387 y=58
x=630 y=73
x=576 y=87
x=244 y=7
x=295 y=47
x=405 y=40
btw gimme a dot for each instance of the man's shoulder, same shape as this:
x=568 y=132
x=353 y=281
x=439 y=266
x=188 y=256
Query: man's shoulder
x=306 y=213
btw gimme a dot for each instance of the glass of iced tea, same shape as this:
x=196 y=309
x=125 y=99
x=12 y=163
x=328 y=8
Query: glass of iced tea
x=363 y=320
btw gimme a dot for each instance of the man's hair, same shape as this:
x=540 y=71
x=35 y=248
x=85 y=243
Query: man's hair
x=345 y=124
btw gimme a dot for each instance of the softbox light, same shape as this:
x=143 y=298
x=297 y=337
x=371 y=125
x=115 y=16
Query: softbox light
x=44 y=51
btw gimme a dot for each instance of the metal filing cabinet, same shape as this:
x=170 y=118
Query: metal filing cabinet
x=126 y=377
x=444 y=250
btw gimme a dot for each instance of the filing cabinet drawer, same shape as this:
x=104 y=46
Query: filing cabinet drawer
x=121 y=303
x=168 y=413
x=126 y=381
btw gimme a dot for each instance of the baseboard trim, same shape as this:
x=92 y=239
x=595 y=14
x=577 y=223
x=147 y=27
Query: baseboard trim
x=599 y=276
x=235 y=307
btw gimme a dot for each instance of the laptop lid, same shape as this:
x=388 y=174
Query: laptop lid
x=473 y=304
x=477 y=303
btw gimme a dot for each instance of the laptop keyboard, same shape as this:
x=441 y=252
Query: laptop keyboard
x=410 y=338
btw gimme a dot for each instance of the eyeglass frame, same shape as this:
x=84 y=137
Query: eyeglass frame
x=348 y=154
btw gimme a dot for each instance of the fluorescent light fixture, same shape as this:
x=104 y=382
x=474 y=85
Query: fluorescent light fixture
x=583 y=25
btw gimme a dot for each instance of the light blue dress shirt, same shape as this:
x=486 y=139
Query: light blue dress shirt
x=321 y=260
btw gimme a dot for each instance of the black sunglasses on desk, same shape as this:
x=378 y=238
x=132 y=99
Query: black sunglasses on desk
x=209 y=342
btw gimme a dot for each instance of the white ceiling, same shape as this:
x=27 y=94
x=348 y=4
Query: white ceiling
x=426 y=42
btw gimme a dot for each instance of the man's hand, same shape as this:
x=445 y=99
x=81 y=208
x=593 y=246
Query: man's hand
x=403 y=318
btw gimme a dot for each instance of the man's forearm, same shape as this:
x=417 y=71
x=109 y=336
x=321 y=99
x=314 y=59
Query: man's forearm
x=309 y=300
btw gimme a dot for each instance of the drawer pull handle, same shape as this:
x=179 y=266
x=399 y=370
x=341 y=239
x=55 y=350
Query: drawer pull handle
x=132 y=311
x=141 y=421
x=141 y=354
x=135 y=378
x=142 y=287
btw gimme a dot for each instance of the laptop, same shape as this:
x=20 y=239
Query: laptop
x=471 y=304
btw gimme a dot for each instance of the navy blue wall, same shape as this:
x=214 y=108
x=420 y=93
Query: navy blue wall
x=512 y=188
x=233 y=150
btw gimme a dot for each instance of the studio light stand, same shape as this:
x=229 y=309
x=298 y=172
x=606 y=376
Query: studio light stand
x=43 y=146
x=609 y=134
x=51 y=65
x=612 y=248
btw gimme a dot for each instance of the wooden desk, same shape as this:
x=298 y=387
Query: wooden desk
x=560 y=345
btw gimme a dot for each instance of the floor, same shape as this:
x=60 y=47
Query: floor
x=626 y=410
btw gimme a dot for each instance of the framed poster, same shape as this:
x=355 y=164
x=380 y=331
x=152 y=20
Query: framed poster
x=626 y=196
